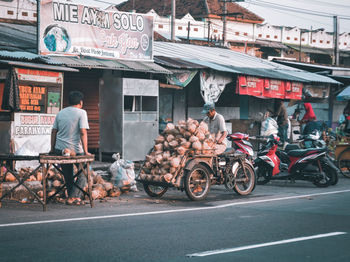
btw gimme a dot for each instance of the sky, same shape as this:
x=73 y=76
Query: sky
x=263 y=8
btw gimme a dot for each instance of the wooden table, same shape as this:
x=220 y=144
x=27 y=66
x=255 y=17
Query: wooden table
x=7 y=160
x=81 y=162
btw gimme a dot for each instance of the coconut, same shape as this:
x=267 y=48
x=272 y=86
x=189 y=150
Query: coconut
x=186 y=145
x=167 y=177
x=173 y=170
x=175 y=162
x=165 y=145
x=191 y=128
x=39 y=176
x=193 y=139
x=158 y=147
x=203 y=127
x=56 y=183
x=160 y=139
x=187 y=134
x=197 y=145
x=166 y=155
x=95 y=194
x=170 y=138
x=108 y=186
x=40 y=194
x=173 y=144
x=181 y=150
x=169 y=128
x=200 y=135
x=115 y=192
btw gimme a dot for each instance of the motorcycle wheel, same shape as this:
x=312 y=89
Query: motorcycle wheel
x=262 y=176
x=245 y=183
x=197 y=182
x=154 y=191
x=343 y=163
x=328 y=180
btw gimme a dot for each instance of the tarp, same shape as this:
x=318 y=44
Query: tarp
x=344 y=95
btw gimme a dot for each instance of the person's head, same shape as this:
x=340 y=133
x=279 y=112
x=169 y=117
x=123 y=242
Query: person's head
x=209 y=109
x=75 y=98
x=268 y=113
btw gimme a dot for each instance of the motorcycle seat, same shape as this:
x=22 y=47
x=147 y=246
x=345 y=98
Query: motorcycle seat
x=303 y=152
x=290 y=147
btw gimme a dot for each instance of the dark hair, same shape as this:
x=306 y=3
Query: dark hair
x=75 y=97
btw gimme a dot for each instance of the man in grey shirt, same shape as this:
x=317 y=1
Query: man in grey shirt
x=215 y=121
x=69 y=134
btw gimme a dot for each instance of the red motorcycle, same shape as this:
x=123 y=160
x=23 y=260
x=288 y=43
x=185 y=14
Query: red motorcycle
x=302 y=164
x=241 y=144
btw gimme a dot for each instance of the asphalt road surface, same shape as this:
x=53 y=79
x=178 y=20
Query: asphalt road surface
x=277 y=222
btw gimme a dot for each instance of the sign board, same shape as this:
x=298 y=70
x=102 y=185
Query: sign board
x=274 y=88
x=293 y=90
x=250 y=85
x=32 y=124
x=67 y=28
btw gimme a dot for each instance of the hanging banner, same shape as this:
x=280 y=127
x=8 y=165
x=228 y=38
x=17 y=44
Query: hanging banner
x=181 y=79
x=274 y=88
x=249 y=85
x=73 y=29
x=213 y=84
x=293 y=90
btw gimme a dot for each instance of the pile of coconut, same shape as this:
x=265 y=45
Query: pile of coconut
x=100 y=188
x=164 y=161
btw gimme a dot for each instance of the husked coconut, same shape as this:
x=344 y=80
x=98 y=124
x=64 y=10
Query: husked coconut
x=56 y=183
x=95 y=194
x=170 y=138
x=147 y=164
x=187 y=134
x=108 y=186
x=173 y=170
x=203 y=127
x=193 y=139
x=166 y=145
x=39 y=176
x=169 y=128
x=175 y=162
x=159 y=159
x=40 y=194
x=191 y=128
x=142 y=176
x=158 y=147
x=182 y=123
x=186 y=145
x=115 y=192
x=200 y=135
x=166 y=155
x=168 y=177
x=173 y=143
x=181 y=150
x=160 y=139
x=197 y=145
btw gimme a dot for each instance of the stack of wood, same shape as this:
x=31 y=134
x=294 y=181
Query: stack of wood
x=100 y=188
x=163 y=162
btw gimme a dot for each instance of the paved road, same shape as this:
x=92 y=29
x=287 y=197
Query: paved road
x=278 y=222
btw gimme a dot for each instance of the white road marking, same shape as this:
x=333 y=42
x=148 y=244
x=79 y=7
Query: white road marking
x=171 y=210
x=281 y=242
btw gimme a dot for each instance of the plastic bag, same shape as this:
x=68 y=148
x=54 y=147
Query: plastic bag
x=269 y=127
x=123 y=173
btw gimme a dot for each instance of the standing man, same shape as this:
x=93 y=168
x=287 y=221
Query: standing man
x=216 y=123
x=69 y=136
x=282 y=121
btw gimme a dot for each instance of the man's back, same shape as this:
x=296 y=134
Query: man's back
x=68 y=123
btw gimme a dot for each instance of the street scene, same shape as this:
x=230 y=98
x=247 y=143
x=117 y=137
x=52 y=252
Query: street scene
x=214 y=130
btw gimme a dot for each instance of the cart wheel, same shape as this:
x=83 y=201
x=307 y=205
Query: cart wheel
x=344 y=162
x=245 y=183
x=154 y=191
x=197 y=182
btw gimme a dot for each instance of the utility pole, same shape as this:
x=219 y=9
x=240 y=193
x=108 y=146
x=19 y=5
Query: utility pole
x=188 y=31
x=224 y=14
x=208 y=31
x=336 y=40
x=173 y=12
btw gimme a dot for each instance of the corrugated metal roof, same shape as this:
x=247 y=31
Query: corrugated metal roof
x=14 y=37
x=272 y=44
x=39 y=66
x=176 y=63
x=227 y=60
x=18 y=55
x=312 y=77
x=141 y=66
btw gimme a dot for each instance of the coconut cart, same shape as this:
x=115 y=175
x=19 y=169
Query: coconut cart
x=186 y=157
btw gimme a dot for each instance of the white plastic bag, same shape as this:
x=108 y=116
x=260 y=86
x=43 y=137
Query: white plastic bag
x=123 y=173
x=269 y=127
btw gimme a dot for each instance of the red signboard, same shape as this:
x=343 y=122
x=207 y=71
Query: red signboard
x=269 y=88
x=249 y=85
x=293 y=90
x=274 y=88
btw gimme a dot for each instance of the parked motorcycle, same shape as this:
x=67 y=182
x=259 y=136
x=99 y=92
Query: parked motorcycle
x=298 y=164
x=241 y=144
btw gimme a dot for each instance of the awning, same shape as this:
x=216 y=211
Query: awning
x=344 y=95
x=39 y=66
x=123 y=65
x=311 y=77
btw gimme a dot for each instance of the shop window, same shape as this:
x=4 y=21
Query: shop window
x=245 y=34
x=24 y=13
x=259 y=35
x=275 y=37
x=34 y=15
x=149 y=103
x=236 y=33
x=321 y=41
x=215 y=30
x=295 y=38
x=288 y=38
x=160 y=26
x=9 y=12
x=179 y=27
x=328 y=42
x=303 y=39
x=132 y=103
x=267 y=36
x=345 y=43
x=314 y=41
x=195 y=29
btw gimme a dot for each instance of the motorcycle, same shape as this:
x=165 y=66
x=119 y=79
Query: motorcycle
x=298 y=164
x=241 y=145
